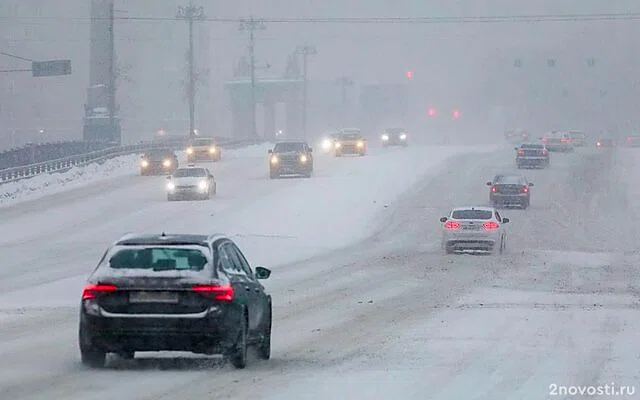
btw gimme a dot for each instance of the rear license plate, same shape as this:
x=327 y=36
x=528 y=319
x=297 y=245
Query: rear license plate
x=470 y=227
x=153 y=297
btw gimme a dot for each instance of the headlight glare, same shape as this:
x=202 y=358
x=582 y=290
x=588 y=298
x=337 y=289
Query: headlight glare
x=144 y=163
x=190 y=150
x=203 y=185
x=385 y=137
x=303 y=158
x=274 y=160
x=212 y=150
x=166 y=163
x=171 y=186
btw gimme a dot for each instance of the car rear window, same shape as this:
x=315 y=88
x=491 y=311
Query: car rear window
x=472 y=214
x=509 y=180
x=158 y=259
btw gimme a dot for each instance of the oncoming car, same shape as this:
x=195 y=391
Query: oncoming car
x=157 y=162
x=191 y=183
x=174 y=292
x=290 y=158
x=474 y=228
x=350 y=141
x=395 y=137
x=328 y=142
x=204 y=149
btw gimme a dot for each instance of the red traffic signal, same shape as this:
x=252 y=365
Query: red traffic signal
x=456 y=114
x=410 y=74
x=432 y=112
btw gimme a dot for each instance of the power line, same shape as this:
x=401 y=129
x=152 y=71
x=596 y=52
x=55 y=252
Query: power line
x=15 y=56
x=388 y=20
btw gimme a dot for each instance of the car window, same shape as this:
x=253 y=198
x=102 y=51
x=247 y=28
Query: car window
x=498 y=217
x=158 y=259
x=244 y=264
x=472 y=214
x=509 y=180
x=226 y=262
x=189 y=172
x=233 y=256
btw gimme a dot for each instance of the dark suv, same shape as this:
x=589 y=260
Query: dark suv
x=159 y=161
x=290 y=158
x=174 y=293
x=510 y=190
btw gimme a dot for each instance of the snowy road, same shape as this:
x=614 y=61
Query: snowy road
x=389 y=318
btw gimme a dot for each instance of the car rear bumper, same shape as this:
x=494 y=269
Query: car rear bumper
x=471 y=240
x=532 y=160
x=209 y=334
x=507 y=199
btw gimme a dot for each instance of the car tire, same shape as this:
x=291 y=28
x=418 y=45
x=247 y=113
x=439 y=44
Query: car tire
x=264 y=348
x=90 y=355
x=171 y=198
x=273 y=175
x=238 y=354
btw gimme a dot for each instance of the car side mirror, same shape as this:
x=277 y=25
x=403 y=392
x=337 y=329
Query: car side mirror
x=270 y=151
x=505 y=220
x=262 y=273
x=530 y=183
x=489 y=183
x=444 y=219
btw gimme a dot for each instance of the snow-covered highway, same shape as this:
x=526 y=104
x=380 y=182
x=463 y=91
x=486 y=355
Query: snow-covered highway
x=365 y=304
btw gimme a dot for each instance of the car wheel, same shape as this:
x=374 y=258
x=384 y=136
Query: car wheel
x=273 y=175
x=90 y=355
x=238 y=355
x=264 y=349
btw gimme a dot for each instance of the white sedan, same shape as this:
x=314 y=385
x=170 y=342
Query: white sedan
x=474 y=228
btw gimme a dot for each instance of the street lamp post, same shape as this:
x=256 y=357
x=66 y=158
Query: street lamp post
x=305 y=50
x=251 y=25
x=191 y=14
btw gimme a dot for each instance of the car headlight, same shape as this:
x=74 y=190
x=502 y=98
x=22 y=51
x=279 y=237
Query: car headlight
x=274 y=160
x=203 y=185
x=403 y=136
x=171 y=186
x=326 y=144
x=338 y=145
x=144 y=163
x=212 y=150
x=303 y=158
x=360 y=144
x=385 y=137
x=166 y=163
x=190 y=150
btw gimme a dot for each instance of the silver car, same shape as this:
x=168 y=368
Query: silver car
x=191 y=183
x=474 y=228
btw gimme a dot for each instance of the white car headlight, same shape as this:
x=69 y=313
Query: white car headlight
x=166 y=163
x=190 y=150
x=385 y=137
x=303 y=158
x=203 y=185
x=274 y=160
x=403 y=136
x=338 y=145
x=144 y=163
x=212 y=150
x=326 y=144
x=171 y=186
x=360 y=144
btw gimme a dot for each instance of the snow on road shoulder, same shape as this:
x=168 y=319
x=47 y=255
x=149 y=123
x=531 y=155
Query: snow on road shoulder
x=48 y=184
x=339 y=206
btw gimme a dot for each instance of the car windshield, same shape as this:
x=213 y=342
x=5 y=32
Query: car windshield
x=351 y=136
x=203 y=142
x=394 y=130
x=159 y=154
x=509 y=180
x=190 y=172
x=472 y=214
x=287 y=147
x=158 y=259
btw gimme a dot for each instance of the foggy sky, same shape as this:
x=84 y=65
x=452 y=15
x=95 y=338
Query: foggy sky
x=454 y=63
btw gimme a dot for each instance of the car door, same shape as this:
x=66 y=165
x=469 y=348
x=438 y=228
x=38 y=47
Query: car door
x=236 y=275
x=261 y=298
x=253 y=291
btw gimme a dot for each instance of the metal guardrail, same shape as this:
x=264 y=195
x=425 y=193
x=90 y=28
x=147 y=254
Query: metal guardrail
x=64 y=164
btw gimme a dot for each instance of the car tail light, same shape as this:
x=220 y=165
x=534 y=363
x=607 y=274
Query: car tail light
x=565 y=140
x=521 y=152
x=218 y=292
x=490 y=225
x=525 y=189
x=493 y=189
x=545 y=152
x=452 y=225
x=91 y=291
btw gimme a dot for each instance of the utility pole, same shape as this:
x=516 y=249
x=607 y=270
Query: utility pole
x=252 y=25
x=305 y=50
x=112 y=72
x=191 y=14
x=344 y=82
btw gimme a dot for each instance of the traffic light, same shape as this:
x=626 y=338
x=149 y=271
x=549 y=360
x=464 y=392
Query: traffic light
x=432 y=112
x=410 y=74
x=456 y=114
